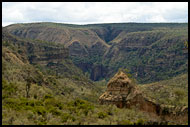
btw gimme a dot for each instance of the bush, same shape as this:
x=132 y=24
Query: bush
x=47 y=96
x=102 y=115
x=51 y=79
x=179 y=93
x=80 y=105
x=52 y=102
x=42 y=123
x=75 y=77
x=40 y=110
x=12 y=103
x=66 y=116
x=125 y=122
x=22 y=103
x=54 y=111
x=139 y=122
x=8 y=89
x=68 y=90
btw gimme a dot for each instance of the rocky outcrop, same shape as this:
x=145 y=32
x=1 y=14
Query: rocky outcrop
x=44 y=54
x=122 y=92
x=97 y=72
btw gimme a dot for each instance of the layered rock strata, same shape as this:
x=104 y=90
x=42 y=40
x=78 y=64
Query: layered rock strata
x=122 y=92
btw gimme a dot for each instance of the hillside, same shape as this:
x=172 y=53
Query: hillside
x=151 y=51
x=171 y=92
x=47 y=64
x=149 y=55
x=33 y=93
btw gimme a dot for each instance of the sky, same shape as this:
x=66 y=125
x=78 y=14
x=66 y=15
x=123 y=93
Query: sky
x=93 y=12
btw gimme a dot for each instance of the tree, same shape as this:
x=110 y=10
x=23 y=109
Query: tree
x=29 y=81
x=28 y=85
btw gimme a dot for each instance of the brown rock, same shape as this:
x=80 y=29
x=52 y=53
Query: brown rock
x=122 y=92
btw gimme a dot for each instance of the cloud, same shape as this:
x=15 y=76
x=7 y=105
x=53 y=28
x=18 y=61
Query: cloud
x=94 y=12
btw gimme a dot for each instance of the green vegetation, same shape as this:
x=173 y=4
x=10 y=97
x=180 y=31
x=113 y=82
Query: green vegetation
x=170 y=92
x=42 y=86
x=152 y=51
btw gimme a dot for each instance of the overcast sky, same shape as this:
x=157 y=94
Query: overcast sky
x=93 y=12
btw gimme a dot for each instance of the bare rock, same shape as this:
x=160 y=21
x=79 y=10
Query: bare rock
x=122 y=92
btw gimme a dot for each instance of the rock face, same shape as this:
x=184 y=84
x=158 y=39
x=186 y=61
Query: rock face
x=155 y=46
x=122 y=92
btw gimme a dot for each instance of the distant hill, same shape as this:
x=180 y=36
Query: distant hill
x=151 y=51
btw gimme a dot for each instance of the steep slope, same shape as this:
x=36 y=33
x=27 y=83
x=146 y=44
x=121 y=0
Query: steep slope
x=52 y=98
x=51 y=61
x=151 y=51
x=150 y=55
x=83 y=43
x=171 y=92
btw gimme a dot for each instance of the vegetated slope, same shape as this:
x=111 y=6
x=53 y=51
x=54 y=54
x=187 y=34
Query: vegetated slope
x=52 y=81
x=47 y=64
x=151 y=51
x=149 y=55
x=168 y=92
x=66 y=97
x=54 y=98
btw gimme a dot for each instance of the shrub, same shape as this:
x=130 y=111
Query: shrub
x=139 y=122
x=75 y=77
x=42 y=123
x=80 y=105
x=54 y=111
x=12 y=103
x=110 y=111
x=179 y=93
x=30 y=115
x=102 y=115
x=68 y=90
x=8 y=89
x=40 y=110
x=125 y=122
x=47 y=96
x=48 y=102
x=66 y=116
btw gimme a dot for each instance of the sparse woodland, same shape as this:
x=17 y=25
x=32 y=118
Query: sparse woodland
x=55 y=73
